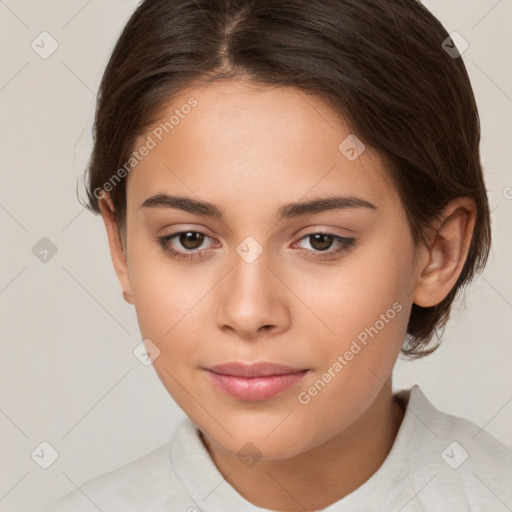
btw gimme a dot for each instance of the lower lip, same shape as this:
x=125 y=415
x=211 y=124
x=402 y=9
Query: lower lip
x=256 y=388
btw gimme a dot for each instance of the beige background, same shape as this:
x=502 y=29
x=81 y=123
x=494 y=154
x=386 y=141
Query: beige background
x=68 y=374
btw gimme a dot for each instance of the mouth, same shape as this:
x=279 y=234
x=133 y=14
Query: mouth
x=255 y=382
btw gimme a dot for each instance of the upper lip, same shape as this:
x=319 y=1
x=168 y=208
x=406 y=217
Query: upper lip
x=263 y=369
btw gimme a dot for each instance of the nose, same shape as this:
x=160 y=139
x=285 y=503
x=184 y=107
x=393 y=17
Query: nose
x=251 y=300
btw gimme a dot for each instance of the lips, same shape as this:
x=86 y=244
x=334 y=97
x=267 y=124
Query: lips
x=253 y=370
x=254 y=382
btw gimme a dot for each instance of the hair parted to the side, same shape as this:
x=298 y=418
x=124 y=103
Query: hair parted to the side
x=378 y=63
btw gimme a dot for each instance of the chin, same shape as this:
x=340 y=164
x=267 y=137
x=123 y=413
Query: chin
x=256 y=439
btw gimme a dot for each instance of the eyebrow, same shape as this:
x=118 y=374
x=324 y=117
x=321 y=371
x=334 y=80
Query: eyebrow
x=287 y=211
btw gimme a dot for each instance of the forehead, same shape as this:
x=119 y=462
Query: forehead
x=272 y=144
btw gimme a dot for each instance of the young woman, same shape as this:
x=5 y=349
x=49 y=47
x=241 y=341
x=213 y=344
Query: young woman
x=293 y=196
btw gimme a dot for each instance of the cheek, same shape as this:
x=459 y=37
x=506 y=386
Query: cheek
x=164 y=295
x=354 y=295
x=168 y=306
x=369 y=316
x=366 y=307
x=169 y=314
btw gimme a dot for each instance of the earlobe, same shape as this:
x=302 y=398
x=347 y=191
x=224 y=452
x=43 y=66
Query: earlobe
x=117 y=251
x=446 y=253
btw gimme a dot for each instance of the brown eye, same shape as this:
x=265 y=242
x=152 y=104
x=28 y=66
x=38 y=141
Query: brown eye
x=321 y=241
x=323 y=246
x=191 y=240
x=184 y=245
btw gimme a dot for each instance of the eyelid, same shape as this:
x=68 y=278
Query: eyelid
x=310 y=230
x=176 y=234
x=184 y=228
x=345 y=245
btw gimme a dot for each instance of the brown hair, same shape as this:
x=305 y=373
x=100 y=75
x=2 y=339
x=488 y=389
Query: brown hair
x=379 y=63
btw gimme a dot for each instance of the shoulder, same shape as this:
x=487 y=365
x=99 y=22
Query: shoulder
x=465 y=461
x=465 y=435
x=146 y=483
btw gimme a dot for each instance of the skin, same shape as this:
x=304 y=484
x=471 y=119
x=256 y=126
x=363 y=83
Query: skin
x=249 y=150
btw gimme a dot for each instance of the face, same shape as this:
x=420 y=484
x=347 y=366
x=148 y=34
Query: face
x=318 y=297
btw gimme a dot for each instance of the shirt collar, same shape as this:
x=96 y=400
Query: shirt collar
x=210 y=491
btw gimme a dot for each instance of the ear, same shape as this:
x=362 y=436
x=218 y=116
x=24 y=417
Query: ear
x=117 y=251
x=444 y=257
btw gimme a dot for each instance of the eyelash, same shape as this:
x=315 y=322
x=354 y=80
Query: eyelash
x=346 y=244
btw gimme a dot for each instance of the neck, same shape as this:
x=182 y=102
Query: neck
x=321 y=476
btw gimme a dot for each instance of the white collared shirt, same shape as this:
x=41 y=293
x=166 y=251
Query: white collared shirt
x=438 y=462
